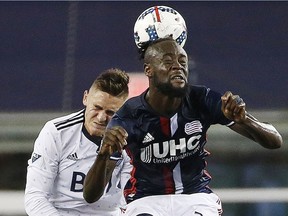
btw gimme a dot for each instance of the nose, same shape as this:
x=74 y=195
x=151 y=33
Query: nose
x=176 y=65
x=102 y=116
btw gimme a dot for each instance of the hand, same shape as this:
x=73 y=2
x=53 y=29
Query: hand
x=114 y=140
x=233 y=107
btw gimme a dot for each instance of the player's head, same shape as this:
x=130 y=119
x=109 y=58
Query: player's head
x=166 y=66
x=105 y=96
x=145 y=45
x=114 y=82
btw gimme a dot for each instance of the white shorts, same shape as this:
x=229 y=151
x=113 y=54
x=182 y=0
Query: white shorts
x=199 y=204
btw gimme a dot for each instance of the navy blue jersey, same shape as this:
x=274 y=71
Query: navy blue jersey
x=167 y=153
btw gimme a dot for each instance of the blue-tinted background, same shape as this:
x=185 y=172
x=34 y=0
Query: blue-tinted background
x=237 y=46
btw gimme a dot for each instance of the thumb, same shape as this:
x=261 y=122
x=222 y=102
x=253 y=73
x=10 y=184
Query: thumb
x=225 y=96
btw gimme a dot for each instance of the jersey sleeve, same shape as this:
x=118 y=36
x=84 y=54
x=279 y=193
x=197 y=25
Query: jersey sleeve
x=126 y=170
x=213 y=102
x=117 y=121
x=125 y=175
x=41 y=172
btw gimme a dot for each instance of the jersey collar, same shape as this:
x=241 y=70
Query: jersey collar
x=96 y=140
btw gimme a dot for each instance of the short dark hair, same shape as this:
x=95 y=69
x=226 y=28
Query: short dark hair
x=144 y=46
x=113 y=81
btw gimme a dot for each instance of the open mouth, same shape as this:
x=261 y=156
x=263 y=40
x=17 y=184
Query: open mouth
x=178 y=77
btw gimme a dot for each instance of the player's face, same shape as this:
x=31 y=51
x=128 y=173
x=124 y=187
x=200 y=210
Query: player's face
x=169 y=69
x=100 y=106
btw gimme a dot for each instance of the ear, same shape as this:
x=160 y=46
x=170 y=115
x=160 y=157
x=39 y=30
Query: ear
x=85 y=95
x=147 y=70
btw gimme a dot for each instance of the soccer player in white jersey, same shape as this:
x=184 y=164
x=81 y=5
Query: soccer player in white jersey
x=65 y=150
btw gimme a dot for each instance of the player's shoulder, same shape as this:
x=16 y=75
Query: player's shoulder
x=198 y=91
x=67 y=121
x=132 y=107
x=201 y=96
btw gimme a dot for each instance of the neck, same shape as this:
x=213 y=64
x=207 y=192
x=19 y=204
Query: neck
x=163 y=104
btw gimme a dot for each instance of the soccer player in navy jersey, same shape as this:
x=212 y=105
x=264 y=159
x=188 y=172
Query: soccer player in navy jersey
x=67 y=147
x=163 y=131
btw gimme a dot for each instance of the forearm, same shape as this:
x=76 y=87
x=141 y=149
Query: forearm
x=234 y=108
x=96 y=179
x=101 y=171
x=263 y=133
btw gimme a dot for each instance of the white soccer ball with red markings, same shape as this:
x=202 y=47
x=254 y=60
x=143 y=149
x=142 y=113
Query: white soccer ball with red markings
x=160 y=22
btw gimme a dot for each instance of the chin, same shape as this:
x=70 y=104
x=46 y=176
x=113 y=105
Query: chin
x=98 y=131
x=170 y=90
x=179 y=91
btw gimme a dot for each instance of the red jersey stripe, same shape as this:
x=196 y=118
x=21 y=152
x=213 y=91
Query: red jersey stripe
x=165 y=125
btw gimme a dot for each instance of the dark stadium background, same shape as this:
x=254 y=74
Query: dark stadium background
x=51 y=51
x=237 y=46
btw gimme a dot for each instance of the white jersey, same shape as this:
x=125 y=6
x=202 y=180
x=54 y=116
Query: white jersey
x=63 y=154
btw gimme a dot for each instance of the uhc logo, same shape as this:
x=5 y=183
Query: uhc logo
x=173 y=150
x=170 y=150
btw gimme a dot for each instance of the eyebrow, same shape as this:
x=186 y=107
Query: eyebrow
x=100 y=107
x=171 y=54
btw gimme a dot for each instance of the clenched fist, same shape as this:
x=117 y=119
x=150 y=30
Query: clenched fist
x=233 y=107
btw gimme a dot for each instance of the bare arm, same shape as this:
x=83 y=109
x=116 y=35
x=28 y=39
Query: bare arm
x=265 y=134
x=101 y=171
x=97 y=178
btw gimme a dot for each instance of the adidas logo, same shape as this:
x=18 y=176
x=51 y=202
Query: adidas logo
x=73 y=157
x=148 y=138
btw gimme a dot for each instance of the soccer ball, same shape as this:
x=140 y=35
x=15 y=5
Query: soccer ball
x=159 y=22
